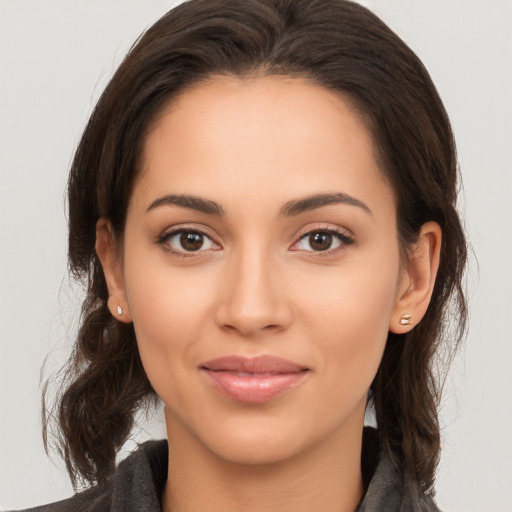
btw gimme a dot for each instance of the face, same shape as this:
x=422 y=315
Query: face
x=261 y=267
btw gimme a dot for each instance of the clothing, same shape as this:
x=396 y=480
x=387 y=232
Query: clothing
x=139 y=481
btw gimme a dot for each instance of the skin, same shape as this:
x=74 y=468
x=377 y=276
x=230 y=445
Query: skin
x=257 y=287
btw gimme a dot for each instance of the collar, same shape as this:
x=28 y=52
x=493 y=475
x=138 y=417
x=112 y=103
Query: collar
x=139 y=482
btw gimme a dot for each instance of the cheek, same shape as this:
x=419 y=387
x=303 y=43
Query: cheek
x=349 y=316
x=170 y=310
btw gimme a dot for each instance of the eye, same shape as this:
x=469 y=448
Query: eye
x=186 y=240
x=323 y=240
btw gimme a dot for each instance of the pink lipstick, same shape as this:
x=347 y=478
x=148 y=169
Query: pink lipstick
x=253 y=380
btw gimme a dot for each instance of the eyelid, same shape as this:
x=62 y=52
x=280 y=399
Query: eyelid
x=345 y=236
x=170 y=232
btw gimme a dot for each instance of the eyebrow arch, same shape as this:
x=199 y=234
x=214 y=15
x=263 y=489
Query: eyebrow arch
x=318 y=201
x=290 y=209
x=187 y=201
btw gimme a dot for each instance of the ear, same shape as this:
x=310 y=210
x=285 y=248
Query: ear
x=109 y=254
x=417 y=280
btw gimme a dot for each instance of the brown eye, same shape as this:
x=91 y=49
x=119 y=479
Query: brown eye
x=191 y=241
x=320 y=241
x=184 y=241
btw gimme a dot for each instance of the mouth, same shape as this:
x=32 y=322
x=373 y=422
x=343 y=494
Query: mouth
x=253 y=380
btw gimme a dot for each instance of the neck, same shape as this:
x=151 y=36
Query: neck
x=326 y=477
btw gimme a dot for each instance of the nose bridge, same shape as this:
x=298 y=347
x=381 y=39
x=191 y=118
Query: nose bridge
x=253 y=298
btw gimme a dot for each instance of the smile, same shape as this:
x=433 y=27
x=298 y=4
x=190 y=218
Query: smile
x=253 y=380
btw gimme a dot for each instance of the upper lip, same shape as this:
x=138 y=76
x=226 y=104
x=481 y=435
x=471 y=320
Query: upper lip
x=260 y=364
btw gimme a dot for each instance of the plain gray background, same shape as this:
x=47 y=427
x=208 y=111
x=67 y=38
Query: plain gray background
x=55 y=58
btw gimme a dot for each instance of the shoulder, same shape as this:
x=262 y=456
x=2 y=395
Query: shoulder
x=137 y=484
x=93 y=499
x=385 y=484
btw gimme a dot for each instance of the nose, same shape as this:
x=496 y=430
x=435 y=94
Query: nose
x=253 y=296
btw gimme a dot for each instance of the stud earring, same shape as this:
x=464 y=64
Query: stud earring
x=119 y=310
x=405 y=319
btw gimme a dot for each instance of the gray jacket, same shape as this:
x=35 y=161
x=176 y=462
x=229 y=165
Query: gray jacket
x=139 y=481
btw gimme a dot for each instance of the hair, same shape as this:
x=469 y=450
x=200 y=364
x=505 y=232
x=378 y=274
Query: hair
x=336 y=44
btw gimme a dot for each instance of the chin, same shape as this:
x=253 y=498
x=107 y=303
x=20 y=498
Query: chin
x=253 y=439
x=257 y=452
x=262 y=440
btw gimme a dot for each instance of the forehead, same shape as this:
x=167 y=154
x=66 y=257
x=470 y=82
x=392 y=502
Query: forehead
x=276 y=136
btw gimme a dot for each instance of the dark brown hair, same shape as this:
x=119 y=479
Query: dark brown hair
x=339 y=45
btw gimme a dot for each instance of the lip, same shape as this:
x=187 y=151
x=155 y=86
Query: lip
x=253 y=380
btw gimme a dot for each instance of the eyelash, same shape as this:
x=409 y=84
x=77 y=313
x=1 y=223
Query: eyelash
x=163 y=240
x=343 y=238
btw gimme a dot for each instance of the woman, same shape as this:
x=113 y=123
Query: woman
x=263 y=205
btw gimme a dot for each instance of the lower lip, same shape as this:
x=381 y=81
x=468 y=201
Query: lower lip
x=253 y=388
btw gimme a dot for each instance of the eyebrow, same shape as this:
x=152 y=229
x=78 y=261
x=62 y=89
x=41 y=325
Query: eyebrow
x=298 y=206
x=187 y=201
x=290 y=209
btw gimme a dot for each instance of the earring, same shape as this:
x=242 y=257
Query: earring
x=405 y=319
x=119 y=310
